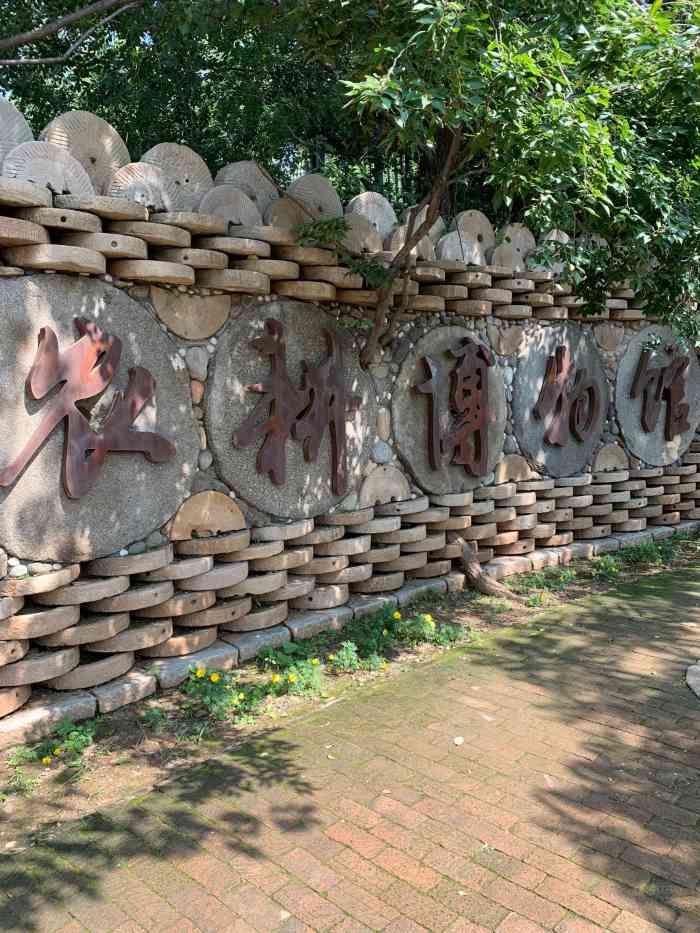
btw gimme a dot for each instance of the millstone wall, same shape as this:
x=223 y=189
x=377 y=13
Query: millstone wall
x=194 y=465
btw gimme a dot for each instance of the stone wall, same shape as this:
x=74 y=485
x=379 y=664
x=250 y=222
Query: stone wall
x=193 y=464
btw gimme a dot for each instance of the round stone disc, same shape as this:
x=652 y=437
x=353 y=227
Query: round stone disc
x=12 y=698
x=131 y=563
x=38 y=666
x=538 y=346
x=33 y=622
x=317 y=194
x=93 y=673
x=251 y=179
x=232 y=206
x=216 y=544
x=15 y=193
x=293 y=589
x=84 y=590
x=9 y=606
x=14 y=128
x=141 y=596
x=42 y=583
x=182 y=642
x=95 y=144
x=219 y=577
x=385 y=484
x=199 y=223
x=51 y=257
x=138 y=635
x=89 y=628
x=322 y=597
x=179 y=604
x=259 y=619
x=208 y=513
x=225 y=610
x=377 y=210
x=411 y=412
x=11 y=651
x=188 y=171
x=104 y=207
x=180 y=569
x=380 y=583
x=48 y=166
x=17 y=232
x=111 y=245
x=256 y=584
x=147 y=185
x=652 y=447
x=131 y=496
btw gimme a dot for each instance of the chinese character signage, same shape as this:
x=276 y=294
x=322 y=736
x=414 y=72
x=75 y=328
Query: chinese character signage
x=569 y=400
x=560 y=398
x=81 y=372
x=302 y=413
x=657 y=396
x=465 y=442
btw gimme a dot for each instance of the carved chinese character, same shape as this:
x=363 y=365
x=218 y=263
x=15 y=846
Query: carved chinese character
x=83 y=372
x=568 y=399
x=658 y=384
x=466 y=443
x=304 y=413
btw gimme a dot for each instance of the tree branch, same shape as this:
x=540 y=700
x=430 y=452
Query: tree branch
x=50 y=29
x=60 y=59
x=401 y=260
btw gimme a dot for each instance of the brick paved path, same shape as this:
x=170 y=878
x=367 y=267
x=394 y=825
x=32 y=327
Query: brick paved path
x=572 y=805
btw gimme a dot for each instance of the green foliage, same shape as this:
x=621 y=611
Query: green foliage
x=552 y=579
x=20 y=784
x=653 y=553
x=605 y=568
x=345 y=660
x=326 y=233
x=154 y=719
x=68 y=743
x=214 y=692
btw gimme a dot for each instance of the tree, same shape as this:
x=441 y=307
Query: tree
x=581 y=117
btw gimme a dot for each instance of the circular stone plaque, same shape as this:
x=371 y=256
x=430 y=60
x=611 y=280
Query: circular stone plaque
x=131 y=496
x=652 y=446
x=572 y=454
x=411 y=412
x=303 y=487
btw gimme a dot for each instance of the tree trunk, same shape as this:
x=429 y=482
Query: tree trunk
x=478 y=579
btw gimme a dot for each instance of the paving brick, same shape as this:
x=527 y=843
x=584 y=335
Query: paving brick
x=308 y=869
x=362 y=905
x=353 y=837
x=524 y=902
x=407 y=869
x=308 y=906
x=587 y=905
x=514 y=923
x=629 y=923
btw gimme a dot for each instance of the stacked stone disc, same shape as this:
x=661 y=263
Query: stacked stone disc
x=457 y=528
x=574 y=512
x=635 y=506
x=557 y=309
x=692 y=456
x=512 y=512
x=518 y=286
x=609 y=488
x=261 y=598
x=536 y=498
x=24 y=620
x=482 y=515
x=680 y=486
x=650 y=495
x=335 y=560
x=631 y=311
x=400 y=543
x=203 y=572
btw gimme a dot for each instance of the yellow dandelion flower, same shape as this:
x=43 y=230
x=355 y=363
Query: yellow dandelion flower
x=292 y=678
x=58 y=752
x=241 y=696
x=428 y=618
x=315 y=662
x=331 y=657
x=46 y=760
x=385 y=632
x=275 y=678
x=215 y=678
x=200 y=672
x=396 y=616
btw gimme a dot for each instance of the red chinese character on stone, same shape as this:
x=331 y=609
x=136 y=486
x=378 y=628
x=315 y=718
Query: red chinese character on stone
x=658 y=384
x=569 y=400
x=303 y=413
x=466 y=444
x=83 y=372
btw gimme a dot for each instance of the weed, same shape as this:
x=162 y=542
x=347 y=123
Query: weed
x=537 y=600
x=21 y=755
x=154 y=719
x=20 y=783
x=345 y=660
x=605 y=568
x=68 y=743
x=492 y=605
x=213 y=692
